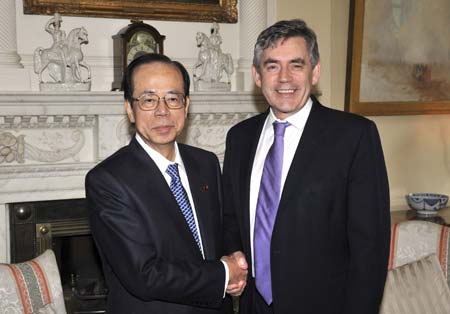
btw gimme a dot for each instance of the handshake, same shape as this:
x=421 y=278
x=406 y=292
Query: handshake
x=238 y=268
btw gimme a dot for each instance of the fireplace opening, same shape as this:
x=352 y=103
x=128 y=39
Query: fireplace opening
x=62 y=226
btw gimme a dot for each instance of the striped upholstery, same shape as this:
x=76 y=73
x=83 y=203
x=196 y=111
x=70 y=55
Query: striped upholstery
x=31 y=287
x=413 y=240
x=416 y=288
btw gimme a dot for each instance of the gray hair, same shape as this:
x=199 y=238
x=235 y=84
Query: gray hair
x=284 y=30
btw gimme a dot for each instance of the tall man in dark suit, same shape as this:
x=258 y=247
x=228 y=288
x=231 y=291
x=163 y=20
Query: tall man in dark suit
x=156 y=205
x=306 y=191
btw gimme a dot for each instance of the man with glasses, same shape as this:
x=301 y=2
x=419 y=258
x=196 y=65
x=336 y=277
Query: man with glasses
x=155 y=205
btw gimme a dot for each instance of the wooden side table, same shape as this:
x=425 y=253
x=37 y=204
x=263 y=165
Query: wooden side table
x=442 y=218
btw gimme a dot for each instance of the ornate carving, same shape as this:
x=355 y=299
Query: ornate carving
x=16 y=149
x=11 y=148
x=208 y=131
x=64 y=59
x=42 y=122
x=212 y=62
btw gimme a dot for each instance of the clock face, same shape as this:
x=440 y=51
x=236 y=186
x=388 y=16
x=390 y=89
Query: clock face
x=139 y=44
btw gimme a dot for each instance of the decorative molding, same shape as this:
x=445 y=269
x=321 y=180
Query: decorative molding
x=217 y=119
x=47 y=122
x=44 y=171
x=10 y=60
x=111 y=103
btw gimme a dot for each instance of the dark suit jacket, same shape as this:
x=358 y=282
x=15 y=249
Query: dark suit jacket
x=150 y=259
x=330 y=242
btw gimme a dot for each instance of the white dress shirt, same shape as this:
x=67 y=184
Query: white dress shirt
x=162 y=163
x=291 y=139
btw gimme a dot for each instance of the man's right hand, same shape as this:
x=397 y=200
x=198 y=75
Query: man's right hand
x=238 y=269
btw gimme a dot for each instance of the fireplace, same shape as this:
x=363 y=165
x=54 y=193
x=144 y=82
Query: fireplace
x=49 y=141
x=62 y=226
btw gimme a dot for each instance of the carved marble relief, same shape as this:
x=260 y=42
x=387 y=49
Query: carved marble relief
x=45 y=139
x=57 y=153
x=209 y=131
x=67 y=138
x=11 y=148
x=15 y=148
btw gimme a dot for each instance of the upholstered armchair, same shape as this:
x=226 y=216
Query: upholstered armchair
x=419 y=269
x=31 y=287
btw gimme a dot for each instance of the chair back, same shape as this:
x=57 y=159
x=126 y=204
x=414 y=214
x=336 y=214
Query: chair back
x=414 y=239
x=32 y=287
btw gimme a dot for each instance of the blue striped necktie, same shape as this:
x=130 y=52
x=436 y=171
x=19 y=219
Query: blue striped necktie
x=182 y=199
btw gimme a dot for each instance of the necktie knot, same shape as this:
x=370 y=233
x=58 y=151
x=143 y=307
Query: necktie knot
x=280 y=127
x=172 y=171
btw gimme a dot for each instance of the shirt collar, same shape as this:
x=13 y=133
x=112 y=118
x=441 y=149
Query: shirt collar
x=298 y=119
x=160 y=161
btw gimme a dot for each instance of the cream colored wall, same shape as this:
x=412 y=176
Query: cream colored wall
x=307 y=10
x=416 y=148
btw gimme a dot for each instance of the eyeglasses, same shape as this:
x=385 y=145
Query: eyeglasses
x=149 y=101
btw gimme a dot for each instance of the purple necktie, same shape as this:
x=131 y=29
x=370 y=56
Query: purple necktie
x=266 y=211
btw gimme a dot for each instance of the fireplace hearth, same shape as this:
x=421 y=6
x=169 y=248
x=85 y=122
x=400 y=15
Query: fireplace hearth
x=62 y=226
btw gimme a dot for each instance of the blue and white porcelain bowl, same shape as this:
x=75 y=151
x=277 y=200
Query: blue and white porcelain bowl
x=426 y=203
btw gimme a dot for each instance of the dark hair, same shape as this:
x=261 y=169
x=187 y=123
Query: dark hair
x=284 y=30
x=127 y=81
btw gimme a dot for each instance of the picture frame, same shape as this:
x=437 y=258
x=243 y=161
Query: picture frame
x=396 y=64
x=222 y=11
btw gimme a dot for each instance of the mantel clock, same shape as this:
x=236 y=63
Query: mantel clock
x=131 y=42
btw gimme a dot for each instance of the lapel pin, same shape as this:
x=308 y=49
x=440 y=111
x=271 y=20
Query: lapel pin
x=204 y=188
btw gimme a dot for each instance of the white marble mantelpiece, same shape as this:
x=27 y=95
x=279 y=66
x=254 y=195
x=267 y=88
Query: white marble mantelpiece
x=53 y=139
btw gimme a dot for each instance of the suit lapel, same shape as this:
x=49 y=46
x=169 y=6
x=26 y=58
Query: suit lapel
x=307 y=149
x=157 y=192
x=150 y=178
x=248 y=154
x=199 y=189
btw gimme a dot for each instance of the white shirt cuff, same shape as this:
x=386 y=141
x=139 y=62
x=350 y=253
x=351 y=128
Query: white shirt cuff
x=227 y=277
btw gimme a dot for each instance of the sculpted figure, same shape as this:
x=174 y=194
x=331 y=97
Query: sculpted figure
x=212 y=62
x=64 y=59
x=53 y=27
x=215 y=38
